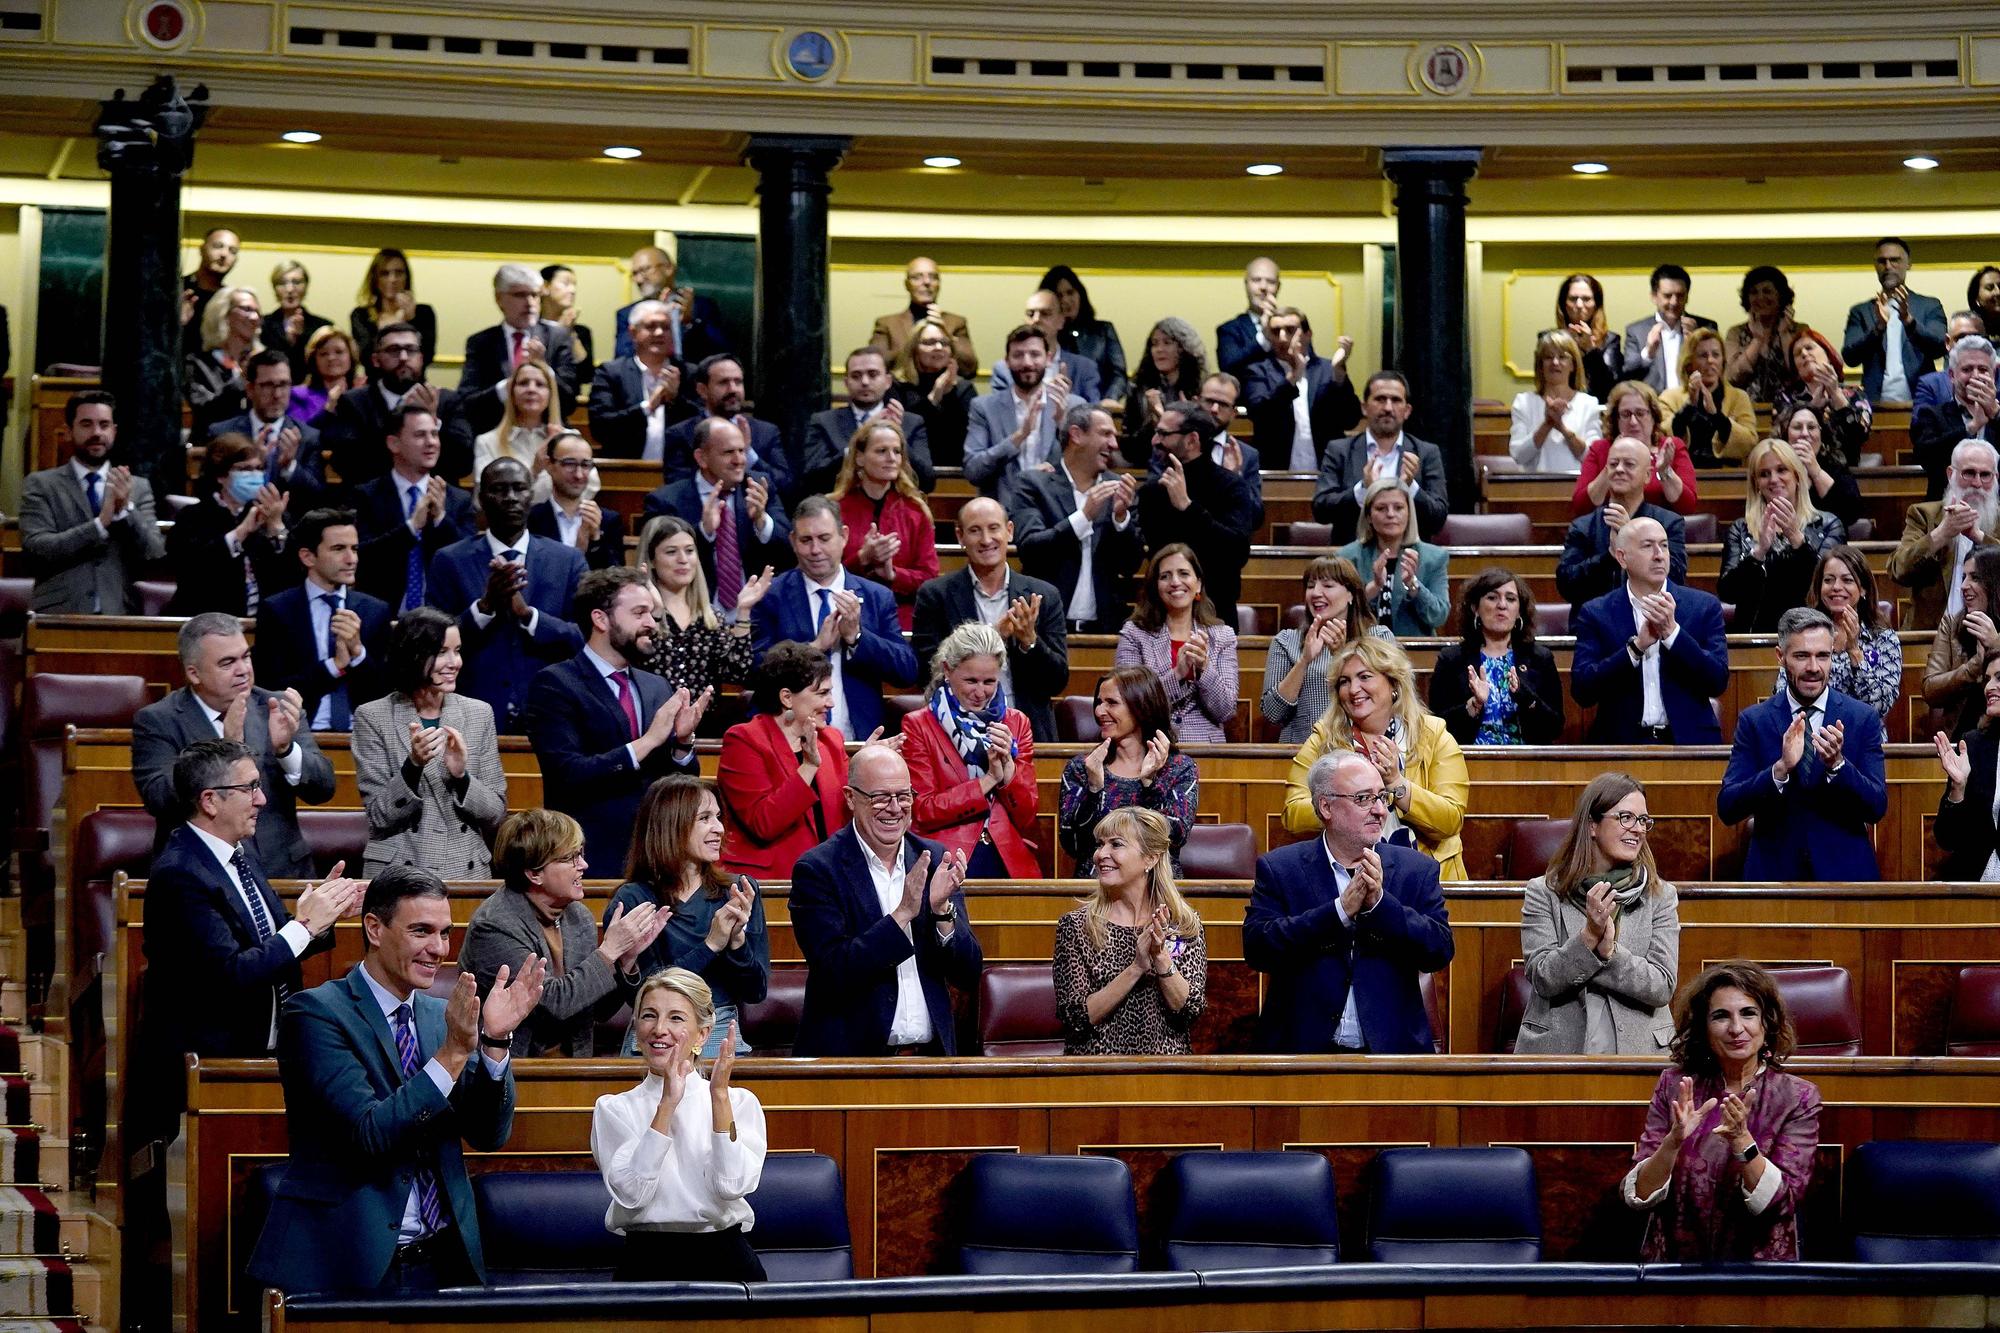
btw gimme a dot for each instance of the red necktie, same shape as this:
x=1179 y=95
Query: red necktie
x=626 y=701
x=516 y=361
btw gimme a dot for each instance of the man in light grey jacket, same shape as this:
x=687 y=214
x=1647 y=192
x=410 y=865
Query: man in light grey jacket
x=87 y=527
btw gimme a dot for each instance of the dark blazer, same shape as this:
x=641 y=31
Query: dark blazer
x=212 y=984
x=1817 y=827
x=162 y=730
x=295 y=352
x=1636 y=366
x=1862 y=343
x=482 y=383
x=852 y=948
x=1097 y=342
x=767 y=455
x=1292 y=931
x=579 y=737
x=827 y=434
x=1236 y=345
x=1587 y=569
x=945 y=422
x=1538 y=704
x=1217 y=525
x=352 y=439
x=214 y=393
x=606 y=551
x=501 y=659
x=683 y=500
x=306 y=482
x=1340 y=468
x=207 y=576
x=702 y=335
x=358 y=1130
x=1039 y=673
x=1930 y=390
x=386 y=538
x=1332 y=407
x=288 y=653
x=1085 y=384
x=1965 y=829
x=1935 y=431
x=1693 y=671
x=1040 y=506
x=879 y=660
x=618 y=407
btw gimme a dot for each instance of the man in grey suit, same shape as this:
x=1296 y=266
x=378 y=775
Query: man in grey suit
x=1653 y=344
x=1891 y=367
x=1018 y=427
x=87 y=528
x=1349 y=465
x=221 y=698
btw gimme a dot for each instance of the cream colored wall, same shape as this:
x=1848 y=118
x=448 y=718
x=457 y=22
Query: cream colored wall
x=1517 y=288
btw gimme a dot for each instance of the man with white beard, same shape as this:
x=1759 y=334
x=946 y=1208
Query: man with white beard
x=1939 y=536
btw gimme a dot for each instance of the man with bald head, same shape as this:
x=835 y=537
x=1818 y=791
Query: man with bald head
x=1587 y=569
x=1241 y=342
x=1649 y=653
x=1027 y=611
x=694 y=322
x=893 y=331
x=880 y=918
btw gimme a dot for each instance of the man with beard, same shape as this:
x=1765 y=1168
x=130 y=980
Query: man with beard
x=87 y=527
x=1192 y=499
x=1939 y=536
x=353 y=438
x=601 y=728
x=511 y=592
x=1044 y=311
x=1017 y=428
x=892 y=332
x=218 y=260
x=1349 y=465
x=694 y=323
x=719 y=388
x=1969 y=413
x=1807 y=765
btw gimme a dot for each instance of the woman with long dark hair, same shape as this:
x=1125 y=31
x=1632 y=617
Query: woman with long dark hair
x=1135 y=762
x=1172 y=372
x=1093 y=339
x=1496 y=685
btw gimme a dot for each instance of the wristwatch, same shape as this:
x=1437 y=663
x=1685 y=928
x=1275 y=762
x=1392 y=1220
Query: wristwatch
x=505 y=1043
x=1748 y=1155
x=947 y=912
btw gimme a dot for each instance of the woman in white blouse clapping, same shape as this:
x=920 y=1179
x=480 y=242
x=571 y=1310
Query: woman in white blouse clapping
x=680 y=1153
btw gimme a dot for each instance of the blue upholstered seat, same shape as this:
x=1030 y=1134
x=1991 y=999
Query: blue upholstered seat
x=545 y=1226
x=1249 y=1210
x=1455 y=1205
x=1923 y=1202
x=801 y=1228
x=1048 y=1215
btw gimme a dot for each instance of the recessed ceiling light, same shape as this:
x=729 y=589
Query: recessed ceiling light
x=1920 y=163
x=623 y=152
x=300 y=136
x=1265 y=169
x=1589 y=168
x=941 y=160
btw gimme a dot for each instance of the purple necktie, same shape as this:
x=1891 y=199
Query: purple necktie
x=728 y=557
x=428 y=1212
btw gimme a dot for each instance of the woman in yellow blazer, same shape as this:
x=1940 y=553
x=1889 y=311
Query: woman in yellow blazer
x=1377 y=711
x=1716 y=418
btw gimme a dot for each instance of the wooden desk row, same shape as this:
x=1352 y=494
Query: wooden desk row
x=903 y=1130
x=1886 y=495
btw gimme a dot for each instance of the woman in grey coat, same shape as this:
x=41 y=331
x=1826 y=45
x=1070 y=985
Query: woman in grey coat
x=1601 y=934
x=426 y=759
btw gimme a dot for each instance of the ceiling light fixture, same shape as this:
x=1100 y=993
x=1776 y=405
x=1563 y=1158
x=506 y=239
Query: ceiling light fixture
x=623 y=152
x=1921 y=163
x=942 y=161
x=1265 y=169
x=301 y=136
x=1589 y=168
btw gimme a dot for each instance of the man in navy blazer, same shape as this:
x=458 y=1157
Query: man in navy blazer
x=880 y=919
x=511 y=592
x=291 y=446
x=1240 y=341
x=1344 y=927
x=406 y=517
x=1587 y=569
x=601 y=728
x=718 y=386
x=757 y=521
x=1650 y=653
x=382 y=1082
x=828 y=432
x=850 y=619
x=1274 y=382
x=324 y=638
x=1807 y=765
x=352 y=438
x=1918 y=323
x=637 y=396
x=492 y=354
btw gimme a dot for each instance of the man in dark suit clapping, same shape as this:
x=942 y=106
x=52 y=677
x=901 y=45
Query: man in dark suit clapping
x=567 y=516
x=636 y=398
x=1650 y=653
x=409 y=515
x=521 y=335
x=352 y=440
x=322 y=638
x=735 y=513
x=1075 y=526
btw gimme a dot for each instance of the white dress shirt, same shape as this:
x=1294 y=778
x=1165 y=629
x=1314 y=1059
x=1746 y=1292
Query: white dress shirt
x=293 y=933
x=656 y=420
x=991 y=611
x=1895 y=382
x=568 y=525
x=1347 y=1032
x=1083 y=598
x=1392 y=457
x=912 y=1024
x=1305 y=450
x=1670 y=352
x=412 y=1227
x=837 y=714
x=1653 y=713
x=498 y=550
x=292 y=763
x=688 y=1179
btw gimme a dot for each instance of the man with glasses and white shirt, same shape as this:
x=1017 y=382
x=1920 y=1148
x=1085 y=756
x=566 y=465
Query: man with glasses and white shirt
x=880 y=918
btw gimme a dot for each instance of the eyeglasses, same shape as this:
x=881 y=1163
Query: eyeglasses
x=885 y=800
x=569 y=860
x=572 y=464
x=1362 y=800
x=396 y=351
x=252 y=787
x=1626 y=819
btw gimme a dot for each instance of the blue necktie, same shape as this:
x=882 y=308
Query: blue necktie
x=92 y=484
x=338 y=715
x=413 y=578
x=825 y=608
x=260 y=915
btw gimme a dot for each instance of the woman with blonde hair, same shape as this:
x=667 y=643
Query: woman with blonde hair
x=1769 y=554
x=529 y=418
x=1131 y=964
x=1600 y=934
x=1407 y=578
x=928 y=384
x=332 y=367
x=1717 y=419
x=681 y=1154
x=1378 y=713
x=217 y=377
x=972 y=759
x=1552 y=422
x=891 y=537
x=291 y=326
x=389 y=296
x=693 y=647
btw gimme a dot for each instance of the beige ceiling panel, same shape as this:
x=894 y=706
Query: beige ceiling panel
x=236 y=27
x=882 y=57
x=1985 y=53
x=740 y=53
x=1516 y=71
x=1374 y=69
x=89 y=25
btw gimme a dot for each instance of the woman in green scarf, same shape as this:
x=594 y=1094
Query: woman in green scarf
x=1601 y=934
